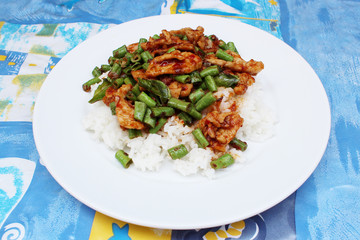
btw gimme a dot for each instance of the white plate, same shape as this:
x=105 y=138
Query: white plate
x=88 y=170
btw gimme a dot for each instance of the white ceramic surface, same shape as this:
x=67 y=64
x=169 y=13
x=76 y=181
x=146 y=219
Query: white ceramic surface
x=164 y=199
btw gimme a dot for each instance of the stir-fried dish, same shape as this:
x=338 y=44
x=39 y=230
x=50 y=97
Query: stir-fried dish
x=176 y=73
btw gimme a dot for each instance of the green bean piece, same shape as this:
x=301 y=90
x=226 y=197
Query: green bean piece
x=205 y=101
x=160 y=123
x=178 y=104
x=87 y=86
x=112 y=106
x=186 y=118
x=195 y=77
x=96 y=71
x=148 y=119
x=142 y=40
x=231 y=47
x=185 y=38
x=203 y=86
x=115 y=71
x=146 y=56
x=226 y=80
x=145 y=65
x=130 y=80
x=163 y=111
x=156 y=36
x=123 y=158
x=224 y=55
x=120 y=52
x=178 y=152
x=136 y=66
x=131 y=96
x=118 y=82
x=134 y=133
x=100 y=91
x=156 y=87
x=136 y=90
x=125 y=61
x=171 y=50
x=238 y=144
x=105 y=67
x=139 y=111
x=146 y=99
x=111 y=61
x=194 y=113
x=210 y=83
x=200 y=138
x=210 y=71
x=223 y=45
x=182 y=78
x=222 y=162
x=135 y=58
x=195 y=96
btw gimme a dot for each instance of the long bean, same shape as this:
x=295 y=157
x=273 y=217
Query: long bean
x=162 y=111
x=196 y=95
x=224 y=55
x=146 y=99
x=112 y=106
x=231 y=47
x=146 y=56
x=182 y=78
x=210 y=71
x=200 y=138
x=178 y=104
x=178 y=151
x=205 y=101
x=194 y=113
x=120 y=52
x=133 y=133
x=123 y=158
x=139 y=111
x=238 y=144
x=105 y=67
x=195 y=77
x=148 y=119
x=223 y=161
x=87 y=86
x=186 y=118
x=210 y=83
x=136 y=90
x=96 y=71
x=158 y=126
x=142 y=40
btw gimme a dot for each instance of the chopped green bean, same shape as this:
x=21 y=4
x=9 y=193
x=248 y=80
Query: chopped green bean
x=178 y=152
x=196 y=95
x=146 y=99
x=210 y=71
x=96 y=72
x=224 y=55
x=186 y=118
x=135 y=58
x=205 y=101
x=146 y=56
x=120 y=52
x=210 y=83
x=182 y=78
x=136 y=90
x=105 y=67
x=123 y=158
x=112 y=106
x=194 y=113
x=162 y=111
x=130 y=80
x=87 y=86
x=195 y=77
x=156 y=36
x=134 y=133
x=148 y=119
x=131 y=96
x=145 y=65
x=142 y=40
x=238 y=144
x=222 y=162
x=200 y=138
x=139 y=111
x=223 y=45
x=178 y=104
x=203 y=86
x=158 y=126
x=118 y=82
x=231 y=47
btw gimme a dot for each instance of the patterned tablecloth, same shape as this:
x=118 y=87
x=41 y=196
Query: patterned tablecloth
x=35 y=35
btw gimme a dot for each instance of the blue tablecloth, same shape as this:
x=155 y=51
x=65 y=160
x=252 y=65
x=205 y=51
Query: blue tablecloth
x=35 y=35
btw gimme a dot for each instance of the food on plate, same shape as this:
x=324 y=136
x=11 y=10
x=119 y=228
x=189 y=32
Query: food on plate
x=180 y=95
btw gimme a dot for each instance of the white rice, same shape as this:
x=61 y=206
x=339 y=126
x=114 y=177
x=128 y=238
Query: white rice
x=150 y=151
